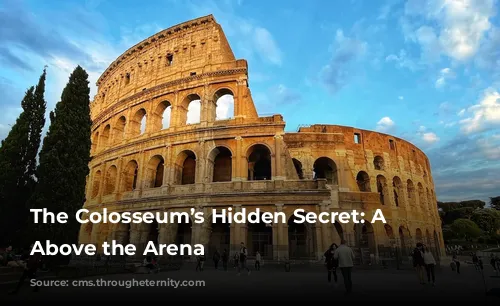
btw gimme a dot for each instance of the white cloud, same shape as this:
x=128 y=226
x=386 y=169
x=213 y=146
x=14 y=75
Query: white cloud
x=444 y=75
x=402 y=60
x=461 y=113
x=484 y=115
x=266 y=45
x=430 y=138
x=401 y=98
x=385 y=125
x=490 y=147
x=455 y=28
x=193 y=114
x=225 y=107
x=422 y=128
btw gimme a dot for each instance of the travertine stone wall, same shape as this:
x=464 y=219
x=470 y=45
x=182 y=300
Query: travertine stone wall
x=139 y=163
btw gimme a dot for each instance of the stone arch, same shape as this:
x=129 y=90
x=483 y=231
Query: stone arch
x=410 y=189
x=96 y=184
x=155 y=170
x=429 y=201
x=162 y=116
x=404 y=240
x=418 y=235
x=326 y=168
x=220 y=164
x=301 y=239
x=363 y=180
x=428 y=239
x=339 y=232
x=298 y=167
x=397 y=186
x=190 y=111
x=260 y=238
x=122 y=233
x=95 y=142
x=138 y=122
x=378 y=163
x=219 y=237
x=104 y=139
x=185 y=168
x=382 y=189
x=259 y=162
x=119 y=129
x=111 y=179
x=364 y=235
x=153 y=230
x=131 y=172
x=390 y=233
x=224 y=104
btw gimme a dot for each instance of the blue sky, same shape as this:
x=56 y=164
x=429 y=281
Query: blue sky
x=426 y=71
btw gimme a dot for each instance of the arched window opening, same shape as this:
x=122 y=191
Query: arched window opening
x=105 y=136
x=163 y=114
x=259 y=163
x=220 y=160
x=156 y=168
x=421 y=196
x=397 y=186
x=110 y=183
x=378 y=163
x=185 y=168
x=192 y=109
x=411 y=193
x=298 y=167
x=381 y=188
x=96 y=184
x=95 y=142
x=131 y=173
x=119 y=131
x=325 y=168
x=138 y=124
x=363 y=180
x=224 y=101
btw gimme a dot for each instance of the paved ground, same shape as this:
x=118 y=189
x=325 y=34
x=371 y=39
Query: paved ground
x=301 y=284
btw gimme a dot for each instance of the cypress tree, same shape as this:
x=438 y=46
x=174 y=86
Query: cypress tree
x=64 y=159
x=12 y=170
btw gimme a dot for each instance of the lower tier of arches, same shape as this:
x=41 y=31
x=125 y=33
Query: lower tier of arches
x=371 y=241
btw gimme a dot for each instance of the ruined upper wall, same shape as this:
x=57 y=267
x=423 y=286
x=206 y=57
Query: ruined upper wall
x=180 y=51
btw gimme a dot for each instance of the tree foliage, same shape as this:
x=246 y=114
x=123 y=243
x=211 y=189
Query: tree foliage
x=448 y=206
x=487 y=219
x=465 y=229
x=18 y=154
x=495 y=202
x=64 y=159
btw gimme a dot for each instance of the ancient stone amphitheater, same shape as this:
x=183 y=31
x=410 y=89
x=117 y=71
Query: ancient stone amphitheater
x=175 y=127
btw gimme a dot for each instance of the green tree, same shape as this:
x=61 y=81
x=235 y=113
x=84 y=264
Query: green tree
x=465 y=229
x=487 y=219
x=64 y=160
x=495 y=202
x=18 y=154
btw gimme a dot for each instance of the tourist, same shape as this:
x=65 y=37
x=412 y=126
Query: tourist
x=430 y=264
x=418 y=262
x=456 y=262
x=345 y=257
x=257 y=261
x=243 y=259
x=236 y=259
x=475 y=261
x=493 y=262
x=225 y=258
x=331 y=263
x=30 y=269
x=216 y=259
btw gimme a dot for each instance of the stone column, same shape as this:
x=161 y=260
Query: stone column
x=238 y=160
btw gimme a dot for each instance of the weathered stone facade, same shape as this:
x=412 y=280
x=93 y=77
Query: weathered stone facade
x=245 y=161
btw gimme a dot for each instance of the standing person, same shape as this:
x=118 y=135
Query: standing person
x=345 y=257
x=225 y=258
x=216 y=259
x=418 y=262
x=475 y=260
x=331 y=263
x=258 y=258
x=32 y=265
x=430 y=264
x=236 y=259
x=243 y=259
x=457 y=263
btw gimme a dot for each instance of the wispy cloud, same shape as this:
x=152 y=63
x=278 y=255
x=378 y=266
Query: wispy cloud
x=385 y=125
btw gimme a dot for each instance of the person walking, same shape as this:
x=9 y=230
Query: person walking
x=225 y=259
x=331 y=263
x=418 y=262
x=430 y=264
x=457 y=263
x=243 y=259
x=258 y=258
x=345 y=257
x=216 y=259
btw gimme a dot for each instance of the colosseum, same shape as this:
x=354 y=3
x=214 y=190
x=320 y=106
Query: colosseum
x=175 y=127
